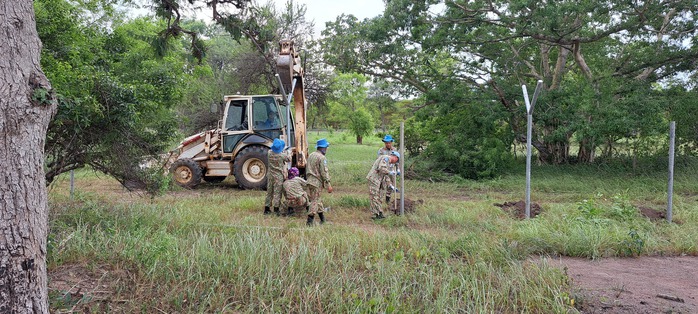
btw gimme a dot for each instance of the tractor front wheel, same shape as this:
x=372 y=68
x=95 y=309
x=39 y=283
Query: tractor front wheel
x=186 y=173
x=251 y=168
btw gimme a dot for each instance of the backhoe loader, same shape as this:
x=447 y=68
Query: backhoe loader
x=249 y=125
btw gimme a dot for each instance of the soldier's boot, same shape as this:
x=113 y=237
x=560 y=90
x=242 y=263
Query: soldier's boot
x=266 y=210
x=387 y=199
x=276 y=211
x=290 y=211
x=307 y=208
x=378 y=216
x=322 y=217
x=310 y=220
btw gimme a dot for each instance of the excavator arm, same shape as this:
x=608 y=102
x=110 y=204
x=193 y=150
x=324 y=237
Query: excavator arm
x=290 y=73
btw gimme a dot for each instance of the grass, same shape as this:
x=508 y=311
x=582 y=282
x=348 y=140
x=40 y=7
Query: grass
x=211 y=250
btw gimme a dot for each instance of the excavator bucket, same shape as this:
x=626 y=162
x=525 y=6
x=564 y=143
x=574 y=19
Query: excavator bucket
x=288 y=64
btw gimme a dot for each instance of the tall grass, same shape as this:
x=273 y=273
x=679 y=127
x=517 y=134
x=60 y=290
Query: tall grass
x=211 y=250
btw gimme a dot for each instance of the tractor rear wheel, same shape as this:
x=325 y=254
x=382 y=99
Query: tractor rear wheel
x=250 y=168
x=186 y=173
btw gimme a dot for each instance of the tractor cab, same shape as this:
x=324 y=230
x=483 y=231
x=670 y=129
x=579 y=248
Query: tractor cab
x=261 y=117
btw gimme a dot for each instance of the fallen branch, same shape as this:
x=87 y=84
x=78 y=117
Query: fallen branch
x=670 y=297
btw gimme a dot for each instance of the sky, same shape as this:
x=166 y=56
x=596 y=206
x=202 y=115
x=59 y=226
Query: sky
x=322 y=11
x=319 y=11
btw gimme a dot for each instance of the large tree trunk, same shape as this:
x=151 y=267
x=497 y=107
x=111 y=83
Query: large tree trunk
x=26 y=107
x=586 y=151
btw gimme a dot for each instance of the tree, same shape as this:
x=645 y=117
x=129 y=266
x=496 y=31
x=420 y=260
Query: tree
x=614 y=51
x=348 y=106
x=360 y=124
x=26 y=107
x=381 y=93
x=115 y=93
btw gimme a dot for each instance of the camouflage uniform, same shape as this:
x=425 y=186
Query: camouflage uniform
x=375 y=177
x=276 y=174
x=294 y=193
x=318 y=178
x=389 y=180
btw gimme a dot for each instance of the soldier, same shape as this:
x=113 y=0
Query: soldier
x=390 y=179
x=318 y=177
x=276 y=161
x=295 y=191
x=376 y=176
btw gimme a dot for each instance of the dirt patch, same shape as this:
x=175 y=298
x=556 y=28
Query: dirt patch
x=86 y=289
x=410 y=206
x=656 y=215
x=633 y=285
x=518 y=209
x=652 y=213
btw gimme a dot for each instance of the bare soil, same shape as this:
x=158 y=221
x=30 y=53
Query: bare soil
x=87 y=289
x=651 y=213
x=410 y=206
x=633 y=285
x=518 y=209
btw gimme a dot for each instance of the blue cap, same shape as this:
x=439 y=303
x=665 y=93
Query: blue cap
x=322 y=143
x=394 y=153
x=278 y=145
x=388 y=138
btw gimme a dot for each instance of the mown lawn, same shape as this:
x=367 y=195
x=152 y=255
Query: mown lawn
x=210 y=250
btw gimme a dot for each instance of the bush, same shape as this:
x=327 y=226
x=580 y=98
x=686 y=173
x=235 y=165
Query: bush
x=461 y=136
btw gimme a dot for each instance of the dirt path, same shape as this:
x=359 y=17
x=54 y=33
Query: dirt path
x=634 y=285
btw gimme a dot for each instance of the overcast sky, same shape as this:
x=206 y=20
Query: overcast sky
x=322 y=11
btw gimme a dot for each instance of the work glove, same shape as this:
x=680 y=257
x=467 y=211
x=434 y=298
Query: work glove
x=392 y=173
x=398 y=172
x=394 y=188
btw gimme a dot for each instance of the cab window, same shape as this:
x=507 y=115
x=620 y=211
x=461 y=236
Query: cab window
x=266 y=114
x=236 y=120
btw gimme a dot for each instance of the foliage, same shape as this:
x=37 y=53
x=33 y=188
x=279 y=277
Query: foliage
x=684 y=110
x=466 y=134
x=597 y=62
x=620 y=208
x=361 y=124
x=349 y=106
x=116 y=94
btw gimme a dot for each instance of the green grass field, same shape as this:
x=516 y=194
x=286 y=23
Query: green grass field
x=210 y=250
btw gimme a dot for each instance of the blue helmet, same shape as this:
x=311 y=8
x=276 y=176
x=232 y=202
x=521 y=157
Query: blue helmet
x=322 y=143
x=387 y=138
x=278 y=145
x=394 y=153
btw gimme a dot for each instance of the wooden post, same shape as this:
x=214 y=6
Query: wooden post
x=670 y=200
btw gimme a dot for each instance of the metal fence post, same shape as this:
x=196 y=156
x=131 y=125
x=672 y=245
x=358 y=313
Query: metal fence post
x=402 y=168
x=529 y=134
x=670 y=200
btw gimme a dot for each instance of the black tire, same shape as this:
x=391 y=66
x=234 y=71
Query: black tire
x=186 y=173
x=250 y=168
x=212 y=179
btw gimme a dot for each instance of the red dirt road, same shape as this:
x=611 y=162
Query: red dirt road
x=634 y=285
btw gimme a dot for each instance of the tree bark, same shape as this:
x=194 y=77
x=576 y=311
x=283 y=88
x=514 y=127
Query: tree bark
x=26 y=107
